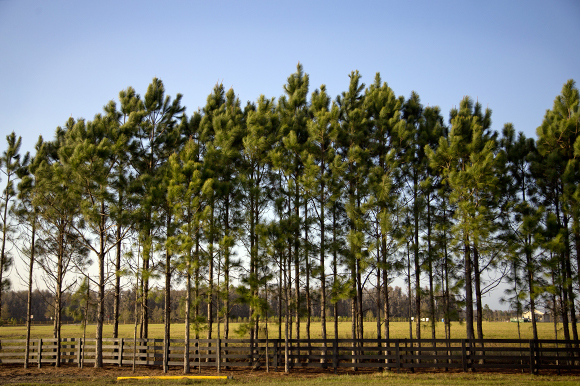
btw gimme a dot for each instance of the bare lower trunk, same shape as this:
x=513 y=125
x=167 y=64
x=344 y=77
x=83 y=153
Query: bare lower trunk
x=187 y=318
x=468 y=291
x=117 y=284
x=29 y=301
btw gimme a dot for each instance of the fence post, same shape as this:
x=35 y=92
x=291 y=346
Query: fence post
x=218 y=354
x=39 y=352
x=122 y=344
x=398 y=354
x=275 y=364
x=80 y=342
x=463 y=355
x=267 y=357
x=335 y=355
x=532 y=356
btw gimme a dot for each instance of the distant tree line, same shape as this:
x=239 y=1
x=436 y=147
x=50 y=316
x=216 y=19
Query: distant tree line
x=303 y=199
x=14 y=307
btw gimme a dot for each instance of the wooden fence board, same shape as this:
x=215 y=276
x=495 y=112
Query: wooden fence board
x=317 y=353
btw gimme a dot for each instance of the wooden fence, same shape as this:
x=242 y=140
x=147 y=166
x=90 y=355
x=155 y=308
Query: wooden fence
x=271 y=354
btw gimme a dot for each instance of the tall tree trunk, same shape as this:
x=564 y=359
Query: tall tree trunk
x=322 y=269
x=378 y=293
x=334 y=270
x=211 y=269
x=57 y=298
x=101 y=295
x=468 y=290
x=431 y=273
x=227 y=276
x=3 y=251
x=386 y=310
x=477 y=275
x=287 y=327
x=147 y=250
x=297 y=257
x=416 y=258
x=117 y=283
x=307 y=262
x=29 y=301
x=360 y=300
x=167 y=313
x=410 y=305
x=531 y=286
x=197 y=279
x=187 y=317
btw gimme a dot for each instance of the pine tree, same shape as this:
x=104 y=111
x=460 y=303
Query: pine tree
x=188 y=194
x=11 y=166
x=258 y=139
x=27 y=214
x=468 y=162
x=558 y=145
x=321 y=164
x=353 y=139
x=526 y=217
x=60 y=247
x=293 y=112
x=384 y=110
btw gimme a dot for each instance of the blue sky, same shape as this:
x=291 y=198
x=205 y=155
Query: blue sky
x=69 y=58
x=64 y=58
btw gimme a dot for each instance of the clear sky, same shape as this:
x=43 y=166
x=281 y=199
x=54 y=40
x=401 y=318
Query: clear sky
x=69 y=58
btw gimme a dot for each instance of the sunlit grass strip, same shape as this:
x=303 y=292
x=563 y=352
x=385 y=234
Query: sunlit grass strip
x=169 y=377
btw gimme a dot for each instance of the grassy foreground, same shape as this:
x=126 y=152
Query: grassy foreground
x=386 y=379
x=399 y=330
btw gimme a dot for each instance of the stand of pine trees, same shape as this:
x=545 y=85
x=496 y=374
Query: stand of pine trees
x=295 y=209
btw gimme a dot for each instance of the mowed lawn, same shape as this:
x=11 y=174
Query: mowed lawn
x=399 y=330
x=34 y=377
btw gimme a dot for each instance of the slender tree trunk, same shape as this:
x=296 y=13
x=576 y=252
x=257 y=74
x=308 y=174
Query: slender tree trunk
x=477 y=275
x=58 y=295
x=210 y=280
x=29 y=301
x=447 y=293
x=186 y=368
x=416 y=258
x=386 y=310
x=101 y=296
x=307 y=262
x=137 y=290
x=117 y=283
x=468 y=290
x=360 y=300
x=3 y=251
x=322 y=269
x=227 y=276
x=410 y=306
x=167 y=314
x=287 y=319
x=297 y=257
x=280 y=284
x=86 y=318
x=378 y=295
x=563 y=289
x=531 y=286
x=147 y=249
x=100 y=312
x=431 y=273
x=334 y=271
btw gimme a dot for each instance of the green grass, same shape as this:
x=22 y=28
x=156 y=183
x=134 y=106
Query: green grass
x=385 y=379
x=399 y=330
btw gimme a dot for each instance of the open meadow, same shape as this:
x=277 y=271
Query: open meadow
x=108 y=376
x=399 y=330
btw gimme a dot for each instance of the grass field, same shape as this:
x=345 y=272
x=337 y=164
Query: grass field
x=277 y=379
x=399 y=330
